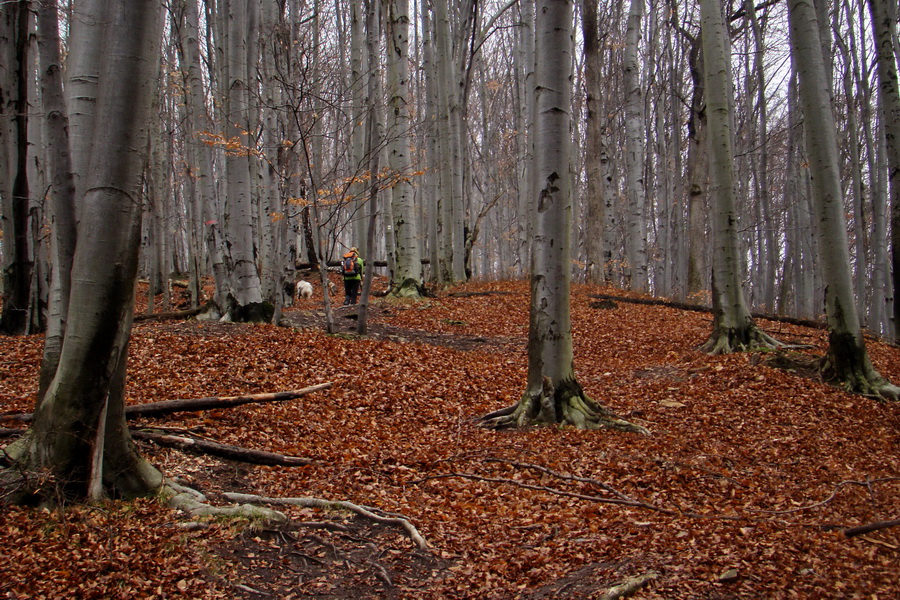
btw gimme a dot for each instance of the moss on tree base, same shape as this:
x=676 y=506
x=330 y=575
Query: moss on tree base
x=727 y=340
x=846 y=365
x=564 y=404
x=408 y=288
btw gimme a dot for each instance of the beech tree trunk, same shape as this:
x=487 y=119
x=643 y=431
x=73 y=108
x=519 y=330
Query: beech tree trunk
x=245 y=302
x=595 y=269
x=15 y=81
x=79 y=434
x=733 y=327
x=62 y=189
x=846 y=361
x=884 y=21
x=408 y=255
x=553 y=394
x=636 y=241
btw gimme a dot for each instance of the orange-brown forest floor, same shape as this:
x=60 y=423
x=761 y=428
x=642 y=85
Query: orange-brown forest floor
x=758 y=470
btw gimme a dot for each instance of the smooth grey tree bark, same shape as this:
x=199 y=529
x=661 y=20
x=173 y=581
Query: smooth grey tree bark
x=636 y=240
x=884 y=21
x=407 y=246
x=846 y=361
x=245 y=301
x=733 y=327
x=79 y=435
x=62 y=188
x=595 y=270
x=553 y=394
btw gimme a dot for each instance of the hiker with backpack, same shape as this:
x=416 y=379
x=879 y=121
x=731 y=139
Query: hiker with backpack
x=352 y=270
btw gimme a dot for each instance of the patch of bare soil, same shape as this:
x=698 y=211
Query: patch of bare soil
x=331 y=559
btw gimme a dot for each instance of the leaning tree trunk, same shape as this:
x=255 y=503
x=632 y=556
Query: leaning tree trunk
x=553 y=394
x=733 y=327
x=62 y=188
x=846 y=361
x=79 y=436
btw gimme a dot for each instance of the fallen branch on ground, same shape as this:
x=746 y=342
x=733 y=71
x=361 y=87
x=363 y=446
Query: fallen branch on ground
x=169 y=406
x=164 y=407
x=474 y=294
x=863 y=529
x=257 y=457
x=175 y=314
x=410 y=529
x=542 y=488
x=707 y=309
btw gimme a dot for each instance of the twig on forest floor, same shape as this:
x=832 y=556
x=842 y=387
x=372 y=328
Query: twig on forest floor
x=862 y=529
x=866 y=484
x=541 y=488
x=600 y=484
x=402 y=522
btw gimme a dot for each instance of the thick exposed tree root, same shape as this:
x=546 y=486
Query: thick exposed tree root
x=727 y=340
x=409 y=288
x=846 y=364
x=863 y=379
x=564 y=405
x=363 y=511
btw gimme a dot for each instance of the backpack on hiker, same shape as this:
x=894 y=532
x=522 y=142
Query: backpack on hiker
x=350 y=266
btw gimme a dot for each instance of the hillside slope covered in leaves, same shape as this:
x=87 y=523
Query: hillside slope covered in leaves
x=743 y=490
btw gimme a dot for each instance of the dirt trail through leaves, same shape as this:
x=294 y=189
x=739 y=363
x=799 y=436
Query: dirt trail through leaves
x=754 y=471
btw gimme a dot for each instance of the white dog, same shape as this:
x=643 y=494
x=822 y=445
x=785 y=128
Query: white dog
x=304 y=289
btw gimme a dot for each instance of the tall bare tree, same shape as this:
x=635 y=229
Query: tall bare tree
x=15 y=81
x=79 y=435
x=408 y=253
x=884 y=24
x=846 y=361
x=733 y=327
x=553 y=394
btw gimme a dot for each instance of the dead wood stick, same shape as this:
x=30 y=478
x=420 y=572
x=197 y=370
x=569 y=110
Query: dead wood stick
x=863 y=529
x=164 y=407
x=169 y=406
x=629 y=586
x=706 y=309
x=557 y=492
x=563 y=476
x=175 y=314
x=4 y=432
x=410 y=529
x=257 y=457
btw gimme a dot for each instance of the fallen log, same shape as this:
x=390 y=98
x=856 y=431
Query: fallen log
x=705 y=309
x=154 y=409
x=257 y=457
x=474 y=294
x=164 y=407
x=175 y=314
